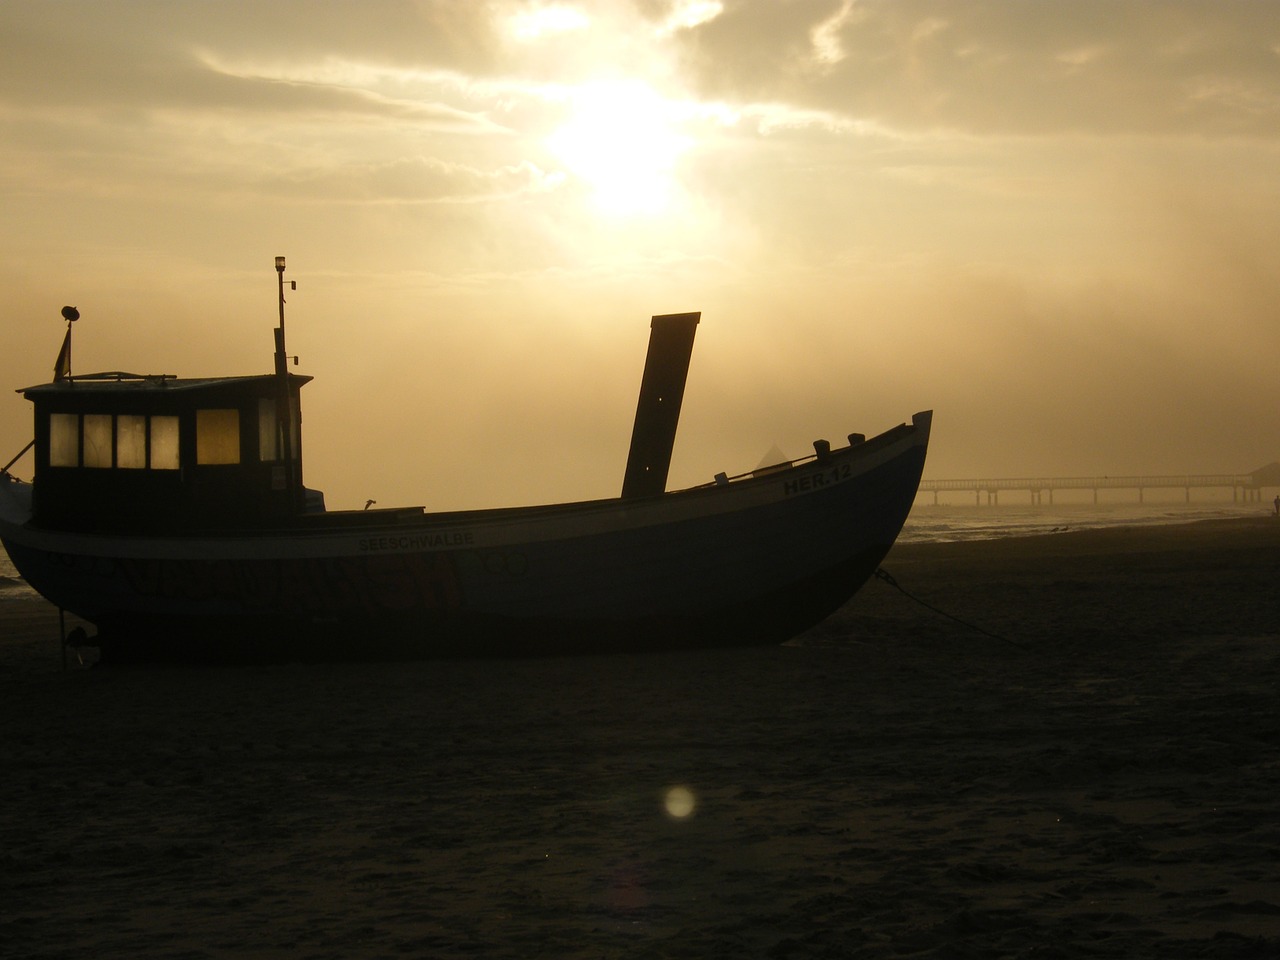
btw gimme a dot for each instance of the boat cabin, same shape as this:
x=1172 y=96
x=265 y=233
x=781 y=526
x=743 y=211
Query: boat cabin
x=118 y=452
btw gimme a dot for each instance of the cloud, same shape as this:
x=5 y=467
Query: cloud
x=687 y=14
x=412 y=180
x=1017 y=212
x=340 y=88
x=1003 y=68
x=540 y=21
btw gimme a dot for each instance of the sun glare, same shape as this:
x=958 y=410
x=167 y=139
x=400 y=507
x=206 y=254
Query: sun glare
x=621 y=139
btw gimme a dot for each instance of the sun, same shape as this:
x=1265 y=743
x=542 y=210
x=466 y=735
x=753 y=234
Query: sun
x=623 y=141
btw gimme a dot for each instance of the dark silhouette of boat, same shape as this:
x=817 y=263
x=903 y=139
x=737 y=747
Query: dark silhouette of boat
x=172 y=515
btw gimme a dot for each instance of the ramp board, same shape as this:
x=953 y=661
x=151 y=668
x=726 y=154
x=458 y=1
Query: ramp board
x=658 y=412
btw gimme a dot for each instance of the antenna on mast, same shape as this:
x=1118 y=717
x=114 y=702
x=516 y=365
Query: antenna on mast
x=281 y=356
x=285 y=426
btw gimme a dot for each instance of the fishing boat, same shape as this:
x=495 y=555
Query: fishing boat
x=172 y=516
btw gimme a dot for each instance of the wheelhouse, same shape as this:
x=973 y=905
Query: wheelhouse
x=123 y=452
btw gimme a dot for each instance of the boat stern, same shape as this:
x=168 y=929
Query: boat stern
x=15 y=501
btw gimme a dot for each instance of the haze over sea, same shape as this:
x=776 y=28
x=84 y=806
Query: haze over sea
x=950 y=522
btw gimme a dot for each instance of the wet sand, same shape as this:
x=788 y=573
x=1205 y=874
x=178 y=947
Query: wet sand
x=1096 y=775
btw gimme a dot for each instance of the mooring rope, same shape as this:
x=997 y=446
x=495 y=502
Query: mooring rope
x=883 y=574
x=5 y=468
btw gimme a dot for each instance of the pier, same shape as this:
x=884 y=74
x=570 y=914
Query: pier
x=1246 y=487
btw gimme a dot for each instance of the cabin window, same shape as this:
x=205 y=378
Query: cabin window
x=97 y=439
x=217 y=436
x=269 y=431
x=164 y=443
x=131 y=441
x=137 y=441
x=64 y=440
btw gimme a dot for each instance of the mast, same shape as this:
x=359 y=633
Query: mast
x=62 y=366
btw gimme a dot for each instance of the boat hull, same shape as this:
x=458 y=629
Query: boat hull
x=752 y=561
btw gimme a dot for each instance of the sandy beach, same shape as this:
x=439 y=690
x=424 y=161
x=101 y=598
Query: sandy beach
x=1084 y=763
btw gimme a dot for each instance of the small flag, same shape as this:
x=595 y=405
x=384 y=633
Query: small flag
x=62 y=367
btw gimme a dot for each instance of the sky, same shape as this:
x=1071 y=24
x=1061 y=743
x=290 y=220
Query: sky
x=1057 y=225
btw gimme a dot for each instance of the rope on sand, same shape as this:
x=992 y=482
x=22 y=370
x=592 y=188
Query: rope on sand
x=883 y=574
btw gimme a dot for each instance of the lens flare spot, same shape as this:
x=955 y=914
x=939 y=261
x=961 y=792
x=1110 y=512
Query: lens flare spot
x=679 y=802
